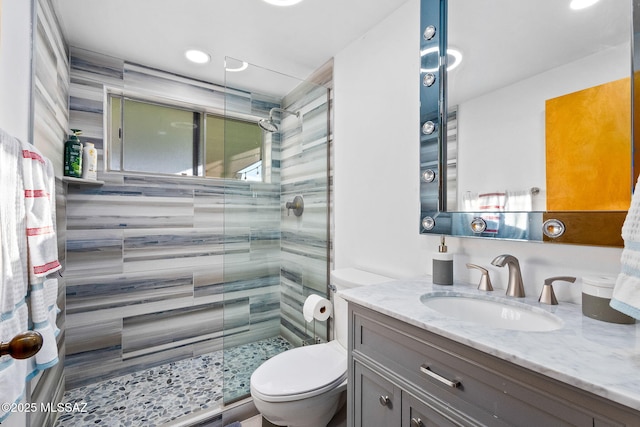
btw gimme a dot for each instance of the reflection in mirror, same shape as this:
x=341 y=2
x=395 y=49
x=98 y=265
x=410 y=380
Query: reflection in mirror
x=530 y=59
x=539 y=116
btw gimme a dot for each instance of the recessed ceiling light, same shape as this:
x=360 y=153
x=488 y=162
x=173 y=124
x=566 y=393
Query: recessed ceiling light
x=283 y=2
x=581 y=4
x=197 y=56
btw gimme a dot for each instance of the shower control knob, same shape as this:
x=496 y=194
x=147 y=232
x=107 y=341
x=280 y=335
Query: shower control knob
x=384 y=400
x=416 y=422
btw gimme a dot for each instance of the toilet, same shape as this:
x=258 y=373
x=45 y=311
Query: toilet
x=306 y=386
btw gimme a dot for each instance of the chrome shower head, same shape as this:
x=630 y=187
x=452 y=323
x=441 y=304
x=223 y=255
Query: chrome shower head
x=269 y=125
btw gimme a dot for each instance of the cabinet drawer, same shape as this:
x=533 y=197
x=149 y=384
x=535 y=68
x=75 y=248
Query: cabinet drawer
x=470 y=381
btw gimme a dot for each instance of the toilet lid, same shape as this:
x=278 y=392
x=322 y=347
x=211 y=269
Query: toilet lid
x=300 y=373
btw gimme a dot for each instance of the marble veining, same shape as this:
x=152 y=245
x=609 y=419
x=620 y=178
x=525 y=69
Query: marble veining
x=599 y=357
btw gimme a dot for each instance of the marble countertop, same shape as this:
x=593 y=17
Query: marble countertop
x=599 y=357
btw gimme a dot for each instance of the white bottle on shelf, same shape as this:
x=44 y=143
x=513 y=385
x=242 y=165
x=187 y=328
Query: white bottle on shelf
x=89 y=161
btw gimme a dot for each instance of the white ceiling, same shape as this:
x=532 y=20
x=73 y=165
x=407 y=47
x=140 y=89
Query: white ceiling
x=505 y=41
x=292 y=40
x=502 y=40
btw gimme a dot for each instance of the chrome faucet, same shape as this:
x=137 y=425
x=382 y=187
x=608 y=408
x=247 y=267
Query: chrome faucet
x=515 y=287
x=548 y=296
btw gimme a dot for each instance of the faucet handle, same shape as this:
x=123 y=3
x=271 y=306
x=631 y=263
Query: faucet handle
x=485 y=280
x=547 y=296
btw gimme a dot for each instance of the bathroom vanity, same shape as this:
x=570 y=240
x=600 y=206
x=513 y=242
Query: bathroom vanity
x=412 y=366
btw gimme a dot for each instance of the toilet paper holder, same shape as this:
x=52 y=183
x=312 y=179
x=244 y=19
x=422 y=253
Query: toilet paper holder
x=316 y=309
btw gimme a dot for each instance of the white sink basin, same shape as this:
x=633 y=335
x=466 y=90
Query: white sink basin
x=503 y=314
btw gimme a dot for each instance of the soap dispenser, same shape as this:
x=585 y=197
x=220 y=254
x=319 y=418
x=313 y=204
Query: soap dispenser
x=442 y=265
x=73 y=155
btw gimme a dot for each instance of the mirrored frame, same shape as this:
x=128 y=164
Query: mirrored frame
x=438 y=153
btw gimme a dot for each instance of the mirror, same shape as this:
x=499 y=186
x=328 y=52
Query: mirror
x=538 y=122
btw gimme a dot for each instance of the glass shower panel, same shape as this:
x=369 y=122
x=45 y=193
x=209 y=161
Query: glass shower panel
x=273 y=258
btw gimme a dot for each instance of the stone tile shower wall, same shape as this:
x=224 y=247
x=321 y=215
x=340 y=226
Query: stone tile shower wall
x=303 y=172
x=152 y=261
x=50 y=122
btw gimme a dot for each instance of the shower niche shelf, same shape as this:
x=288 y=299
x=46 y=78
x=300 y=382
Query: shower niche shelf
x=81 y=181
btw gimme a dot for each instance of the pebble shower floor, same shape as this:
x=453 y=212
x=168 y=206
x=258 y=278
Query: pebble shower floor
x=164 y=393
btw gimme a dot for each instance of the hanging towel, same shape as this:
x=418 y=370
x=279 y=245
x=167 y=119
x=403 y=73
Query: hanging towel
x=491 y=203
x=43 y=308
x=470 y=201
x=13 y=256
x=626 y=293
x=42 y=248
x=518 y=201
x=39 y=201
x=28 y=253
x=517 y=222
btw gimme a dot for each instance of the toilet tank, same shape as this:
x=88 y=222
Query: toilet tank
x=343 y=279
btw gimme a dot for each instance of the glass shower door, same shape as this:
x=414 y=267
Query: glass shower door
x=273 y=258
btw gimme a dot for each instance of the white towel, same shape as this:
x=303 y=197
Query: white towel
x=42 y=244
x=470 y=202
x=13 y=256
x=28 y=252
x=626 y=293
x=39 y=201
x=518 y=201
x=490 y=203
x=43 y=309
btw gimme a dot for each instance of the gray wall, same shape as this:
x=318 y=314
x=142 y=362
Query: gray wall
x=50 y=92
x=156 y=266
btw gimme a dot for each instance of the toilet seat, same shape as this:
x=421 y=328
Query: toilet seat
x=300 y=373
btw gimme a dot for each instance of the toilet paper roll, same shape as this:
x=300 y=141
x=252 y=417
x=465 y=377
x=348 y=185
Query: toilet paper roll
x=316 y=307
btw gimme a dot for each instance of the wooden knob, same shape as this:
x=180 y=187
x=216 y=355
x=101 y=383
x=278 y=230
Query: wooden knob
x=22 y=346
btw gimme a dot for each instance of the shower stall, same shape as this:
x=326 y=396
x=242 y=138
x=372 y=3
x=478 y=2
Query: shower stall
x=180 y=284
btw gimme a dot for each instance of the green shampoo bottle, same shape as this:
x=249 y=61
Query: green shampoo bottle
x=73 y=155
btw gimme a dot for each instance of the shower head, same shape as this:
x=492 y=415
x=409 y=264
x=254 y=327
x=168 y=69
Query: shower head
x=269 y=125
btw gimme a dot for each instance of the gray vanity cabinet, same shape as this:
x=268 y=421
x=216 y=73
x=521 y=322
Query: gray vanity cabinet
x=401 y=375
x=382 y=404
x=378 y=399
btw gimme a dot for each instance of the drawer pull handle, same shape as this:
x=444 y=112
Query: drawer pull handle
x=384 y=400
x=427 y=370
x=416 y=422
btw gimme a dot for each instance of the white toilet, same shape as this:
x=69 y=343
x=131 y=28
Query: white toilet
x=305 y=386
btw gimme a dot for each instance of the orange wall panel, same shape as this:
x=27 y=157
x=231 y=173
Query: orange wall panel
x=588 y=148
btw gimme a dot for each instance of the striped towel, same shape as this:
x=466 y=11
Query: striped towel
x=42 y=244
x=28 y=252
x=39 y=202
x=490 y=204
x=626 y=293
